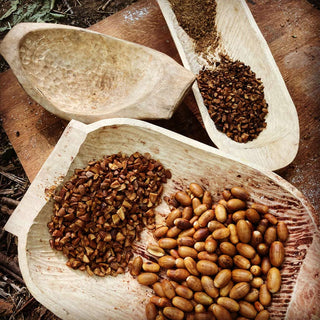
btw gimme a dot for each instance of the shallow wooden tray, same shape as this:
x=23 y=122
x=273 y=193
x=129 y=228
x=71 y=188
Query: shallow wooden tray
x=240 y=38
x=74 y=295
x=88 y=76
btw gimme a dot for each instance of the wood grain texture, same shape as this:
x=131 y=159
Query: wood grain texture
x=72 y=295
x=297 y=58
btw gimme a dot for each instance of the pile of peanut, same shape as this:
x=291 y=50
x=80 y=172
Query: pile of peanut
x=216 y=261
x=102 y=209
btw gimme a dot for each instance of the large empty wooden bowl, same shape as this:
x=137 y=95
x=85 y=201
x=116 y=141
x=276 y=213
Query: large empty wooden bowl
x=72 y=294
x=241 y=39
x=80 y=74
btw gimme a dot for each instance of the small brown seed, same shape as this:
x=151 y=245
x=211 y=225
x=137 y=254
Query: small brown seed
x=276 y=253
x=263 y=315
x=167 y=243
x=185 y=251
x=221 y=233
x=222 y=278
x=178 y=274
x=270 y=235
x=207 y=268
x=220 y=312
x=155 y=250
x=252 y=215
x=150 y=267
x=282 y=231
x=183 y=198
x=201 y=234
x=167 y=262
x=243 y=231
x=136 y=266
x=191 y=266
x=240 y=193
x=273 y=280
x=241 y=275
x=157 y=287
x=240 y=290
x=246 y=250
x=235 y=205
x=196 y=189
x=173 y=313
x=168 y=288
x=205 y=218
x=147 y=278
x=187 y=213
x=161 y=232
x=221 y=213
x=225 y=261
x=182 y=303
x=186 y=241
x=241 y=262
x=228 y=248
x=261 y=208
x=208 y=286
x=151 y=311
x=202 y=298
x=194 y=283
x=210 y=245
x=182 y=224
x=184 y=292
x=264 y=295
x=224 y=291
x=228 y=303
x=247 y=310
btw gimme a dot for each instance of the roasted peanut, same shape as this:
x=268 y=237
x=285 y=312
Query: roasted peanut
x=183 y=198
x=264 y=295
x=273 y=280
x=226 y=194
x=203 y=298
x=150 y=267
x=151 y=311
x=233 y=233
x=256 y=282
x=167 y=262
x=191 y=266
x=256 y=259
x=261 y=208
x=263 y=315
x=168 y=288
x=240 y=193
x=246 y=250
x=187 y=233
x=256 y=238
x=207 y=268
x=239 y=290
x=222 y=278
x=221 y=213
x=228 y=248
x=205 y=218
x=198 y=308
x=263 y=225
x=167 y=243
x=225 y=261
x=147 y=278
x=194 y=283
x=252 y=215
x=209 y=287
x=187 y=213
x=258 y=306
x=282 y=231
x=180 y=263
x=204 y=255
x=243 y=231
x=173 y=313
x=247 y=310
x=200 y=246
x=160 y=232
x=271 y=218
x=182 y=303
x=255 y=270
x=136 y=266
x=262 y=249
x=185 y=251
x=270 y=235
x=241 y=262
x=173 y=215
x=210 y=245
x=186 y=241
x=238 y=215
x=276 y=253
x=241 y=275
x=182 y=223
x=173 y=232
x=228 y=303
x=207 y=198
x=221 y=233
x=200 y=209
x=155 y=250
x=178 y=274
x=220 y=312
x=265 y=265
x=196 y=189
x=235 y=205
x=174 y=253
x=196 y=203
x=252 y=296
x=184 y=292
x=157 y=287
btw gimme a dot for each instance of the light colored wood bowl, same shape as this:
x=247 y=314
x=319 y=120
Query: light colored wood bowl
x=84 y=75
x=73 y=294
x=241 y=39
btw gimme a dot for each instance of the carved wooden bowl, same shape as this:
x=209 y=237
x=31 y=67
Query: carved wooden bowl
x=277 y=145
x=84 y=75
x=72 y=294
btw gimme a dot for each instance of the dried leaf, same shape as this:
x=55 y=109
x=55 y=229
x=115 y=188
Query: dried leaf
x=5 y=308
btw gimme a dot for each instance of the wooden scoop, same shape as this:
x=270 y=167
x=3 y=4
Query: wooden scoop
x=80 y=74
x=240 y=38
x=72 y=294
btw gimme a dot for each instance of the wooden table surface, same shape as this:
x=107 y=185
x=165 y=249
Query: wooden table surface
x=292 y=30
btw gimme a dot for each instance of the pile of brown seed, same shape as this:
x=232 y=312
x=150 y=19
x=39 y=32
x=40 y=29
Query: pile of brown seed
x=221 y=260
x=234 y=98
x=103 y=208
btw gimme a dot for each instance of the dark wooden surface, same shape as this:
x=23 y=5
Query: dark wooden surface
x=292 y=30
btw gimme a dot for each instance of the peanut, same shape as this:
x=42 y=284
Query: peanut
x=196 y=189
x=184 y=292
x=182 y=303
x=264 y=295
x=183 y=198
x=203 y=298
x=178 y=274
x=167 y=262
x=209 y=287
x=151 y=311
x=191 y=266
x=240 y=193
x=240 y=290
x=247 y=310
x=136 y=266
x=185 y=251
x=222 y=278
x=220 y=312
x=205 y=218
x=276 y=253
x=173 y=313
x=221 y=213
x=173 y=215
x=151 y=267
x=243 y=231
x=167 y=243
x=147 y=278
x=282 y=231
x=273 y=280
x=207 y=267
x=230 y=304
x=241 y=275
